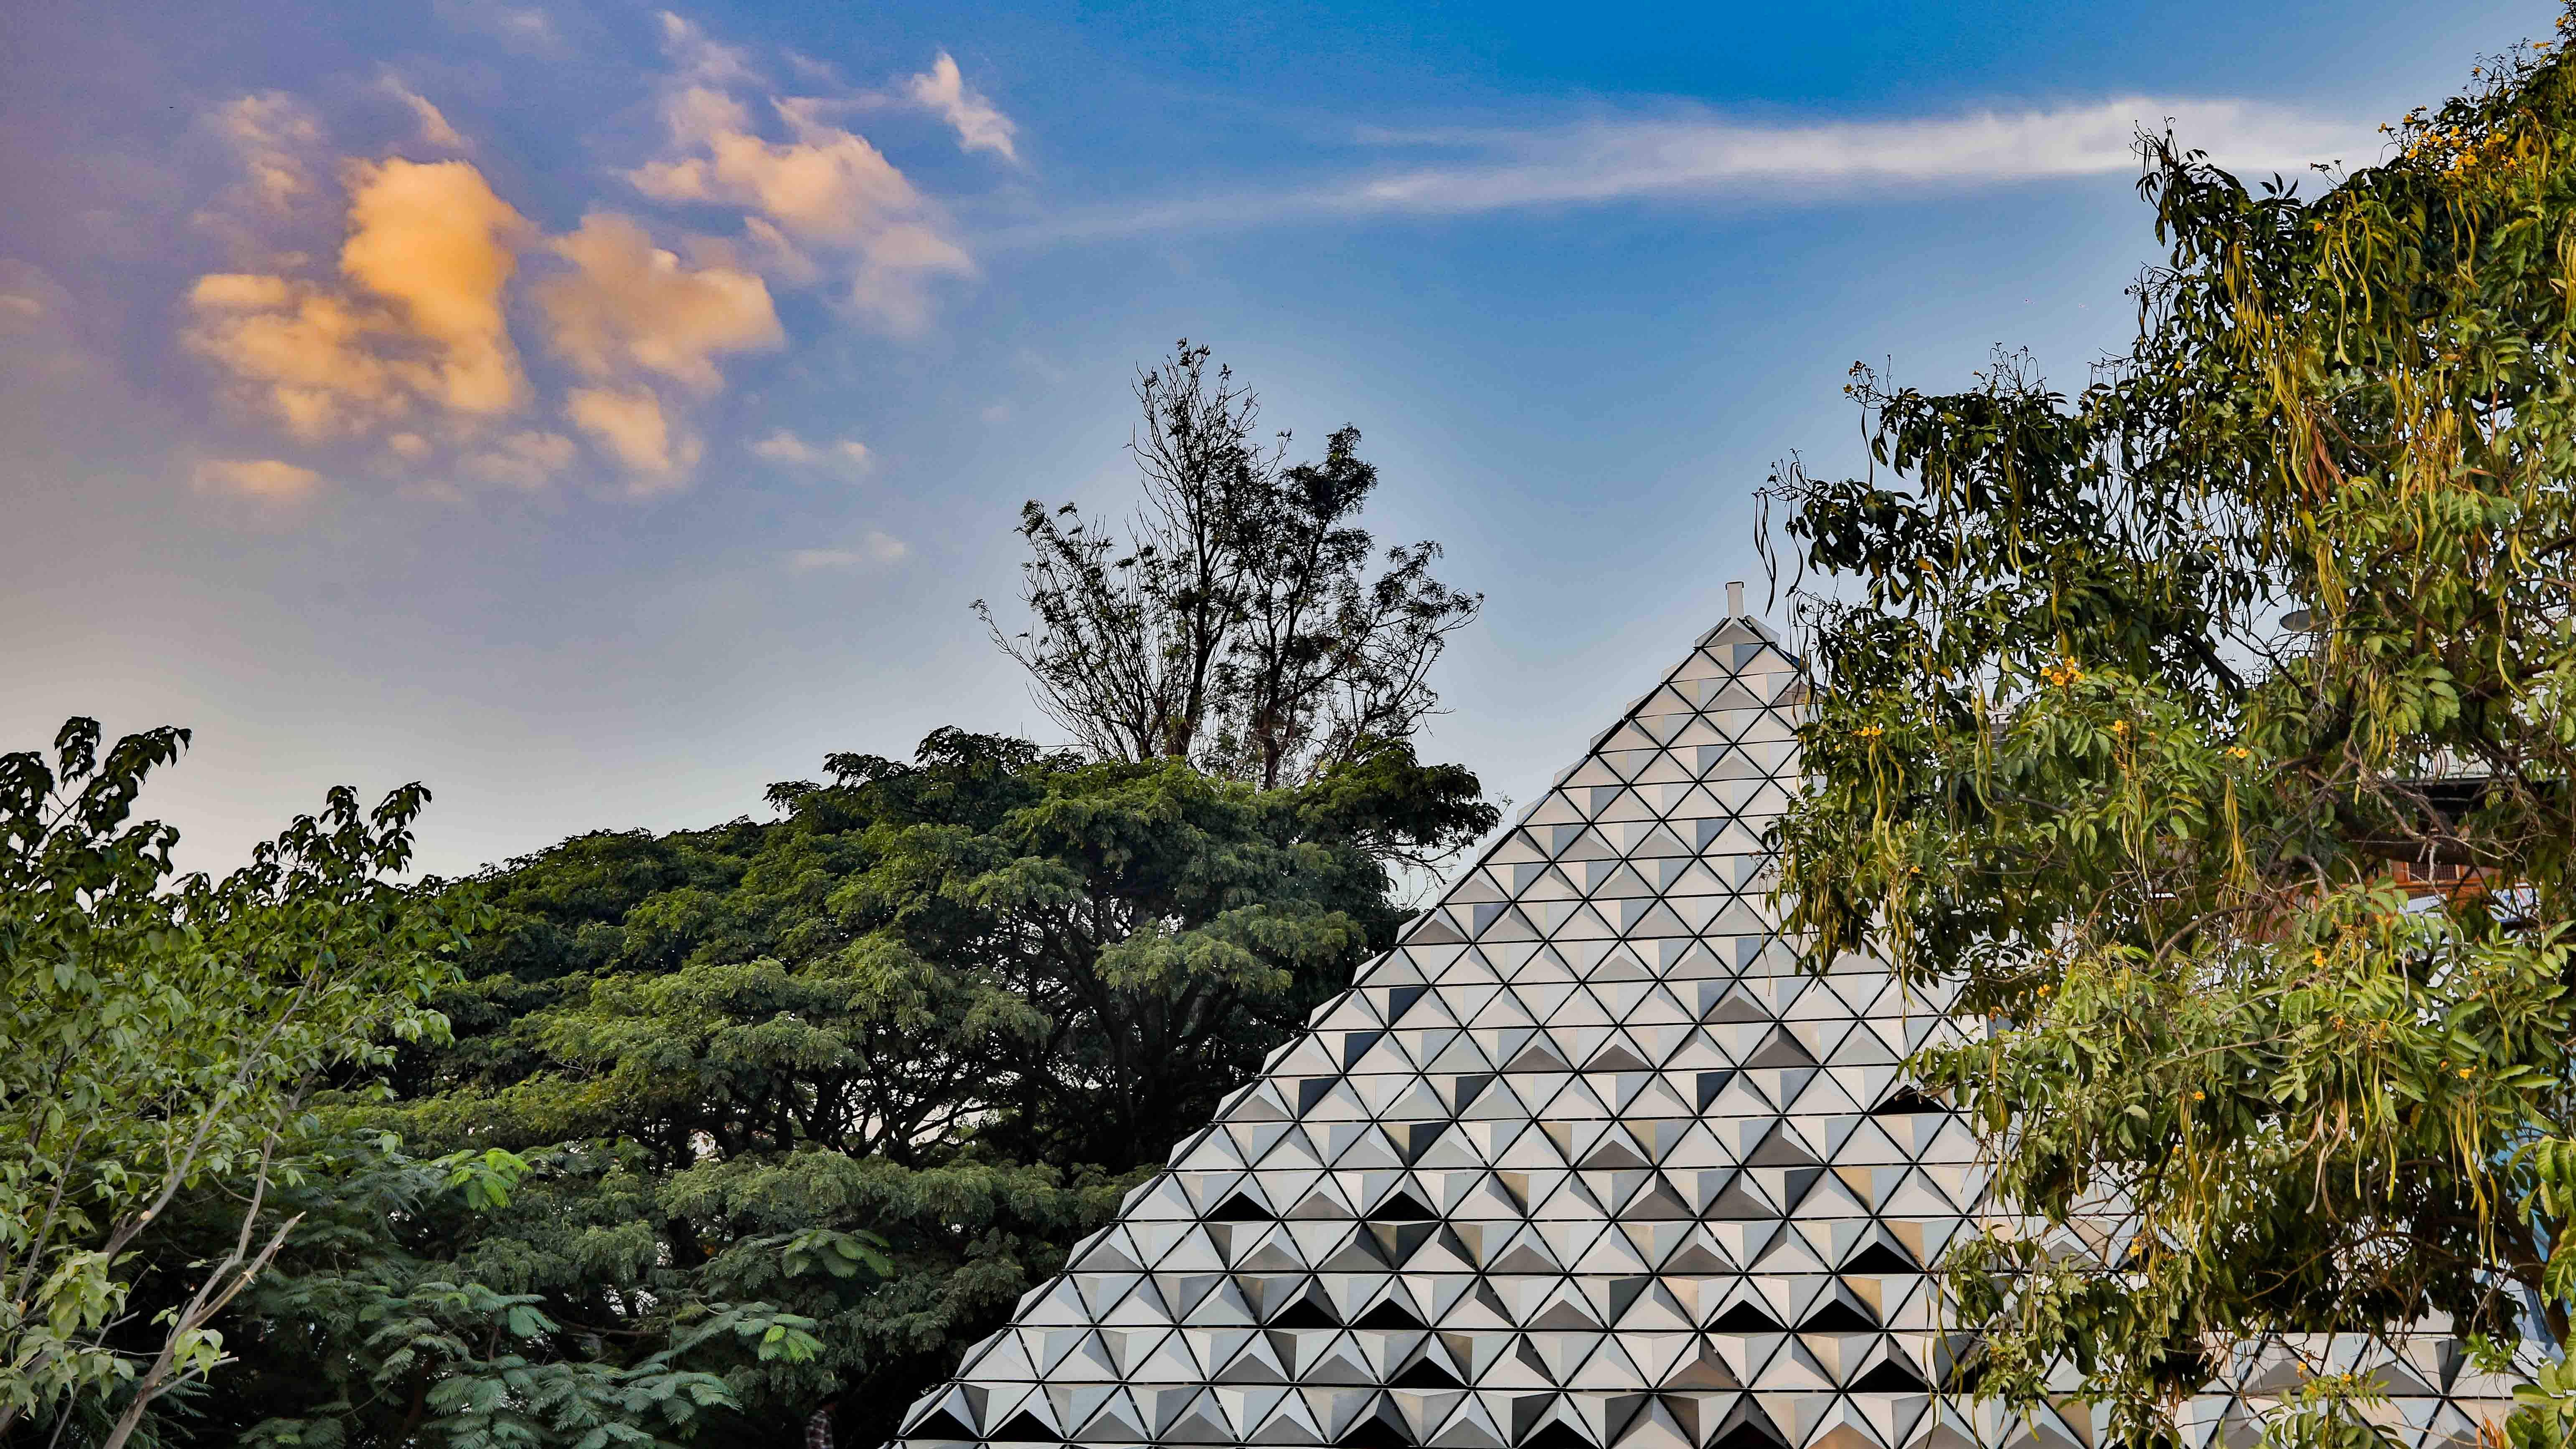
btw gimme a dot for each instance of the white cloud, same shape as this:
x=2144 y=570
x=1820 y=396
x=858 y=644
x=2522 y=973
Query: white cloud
x=268 y=480
x=1699 y=153
x=818 y=195
x=1696 y=154
x=784 y=446
x=276 y=138
x=979 y=124
x=628 y=306
x=629 y=424
x=524 y=29
x=697 y=56
x=874 y=548
x=435 y=132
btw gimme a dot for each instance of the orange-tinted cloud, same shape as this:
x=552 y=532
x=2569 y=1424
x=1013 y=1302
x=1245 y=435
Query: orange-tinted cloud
x=630 y=425
x=628 y=306
x=527 y=460
x=269 y=480
x=418 y=318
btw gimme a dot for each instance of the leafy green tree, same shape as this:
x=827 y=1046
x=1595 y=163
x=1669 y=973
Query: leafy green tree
x=160 y=1040
x=812 y=1102
x=1237 y=624
x=2271 y=919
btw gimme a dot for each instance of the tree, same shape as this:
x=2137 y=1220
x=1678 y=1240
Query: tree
x=1236 y=626
x=2272 y=921
x=159 y=1041
x=858 y=1077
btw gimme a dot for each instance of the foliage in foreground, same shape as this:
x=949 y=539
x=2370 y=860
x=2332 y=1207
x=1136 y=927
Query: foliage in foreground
x=159 y=1040
x=2065 y=759
x=770 y=1108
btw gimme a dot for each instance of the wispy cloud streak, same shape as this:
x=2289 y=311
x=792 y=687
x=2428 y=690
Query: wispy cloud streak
x=1699 y=154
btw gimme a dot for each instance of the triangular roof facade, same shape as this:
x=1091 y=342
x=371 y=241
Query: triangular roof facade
x=1589 y=1161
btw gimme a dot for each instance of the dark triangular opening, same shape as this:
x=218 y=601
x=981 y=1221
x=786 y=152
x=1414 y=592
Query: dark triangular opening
x=1556 y=1434
x=1401 y=999
x=1238 y=1208
x=1355 y=1045
x=1746 y=1317
x=1425 y=1373
x=942 y=1425
x=1836 y=1316
x=1389 y=1315
x=1890 y=1377
x=1905 y=1099
x=1400 y=1206
x=1024 y=1428
x=1879 y=1258
x=1305 y=1313
x=1747 y=1435
x=1377 y=1429
x=1747 y=1427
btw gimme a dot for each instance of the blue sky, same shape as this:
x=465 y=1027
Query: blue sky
x=599 y=411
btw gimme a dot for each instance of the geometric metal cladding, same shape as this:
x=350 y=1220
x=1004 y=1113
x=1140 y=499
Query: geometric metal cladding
x=1589 y=1161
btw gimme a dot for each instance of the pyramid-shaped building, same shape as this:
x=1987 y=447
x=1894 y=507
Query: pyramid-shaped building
x=1589 y=1161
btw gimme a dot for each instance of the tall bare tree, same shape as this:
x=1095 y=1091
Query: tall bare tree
x=1236 y=624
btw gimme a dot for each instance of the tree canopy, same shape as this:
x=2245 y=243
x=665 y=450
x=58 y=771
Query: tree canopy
x=2207 y=730
x=1237 y=625
x=773 y=1107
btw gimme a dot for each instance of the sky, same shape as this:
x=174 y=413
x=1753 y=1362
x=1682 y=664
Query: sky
x=599 y=411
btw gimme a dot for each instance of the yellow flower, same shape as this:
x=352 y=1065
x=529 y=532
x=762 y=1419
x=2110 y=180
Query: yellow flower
x=2199 y=1096
x=2119 y=727
x=2240 y=752
x=2464 y=1073
x=1869 y=732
